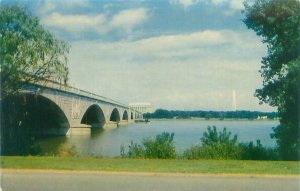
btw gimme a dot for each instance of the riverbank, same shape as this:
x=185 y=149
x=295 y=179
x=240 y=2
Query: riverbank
x=153 y=166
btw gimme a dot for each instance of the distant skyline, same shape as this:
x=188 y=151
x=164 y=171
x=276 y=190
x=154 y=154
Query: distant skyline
x=174 y=54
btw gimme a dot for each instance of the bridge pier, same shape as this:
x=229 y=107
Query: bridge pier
x=125 y=122
x=83 y=129
x=80 y=129
x=110 y=125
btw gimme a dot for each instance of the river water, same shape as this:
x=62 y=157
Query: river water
x=187 y=133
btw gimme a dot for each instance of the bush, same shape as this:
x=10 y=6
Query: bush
x=220 y=145
x=67 y=150
x=251 y=151
x=215 y=145
x=135 y=151
x=161 y=146
x=195 y=152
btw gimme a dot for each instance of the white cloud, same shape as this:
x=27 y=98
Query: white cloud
x=128 y=19
x=187 y=46
x=75 y=23
x=49 y=6
x=236 y=4
x=218 y=2
x=124 y=21
x=233 y=4
x=184 y=3
x=188 y=71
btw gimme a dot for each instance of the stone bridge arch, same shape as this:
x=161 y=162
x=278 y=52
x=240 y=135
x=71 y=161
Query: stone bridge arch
x=131 y=115
x=125 y=116
x=93 y=116
x=38 y=113
x=115 y=116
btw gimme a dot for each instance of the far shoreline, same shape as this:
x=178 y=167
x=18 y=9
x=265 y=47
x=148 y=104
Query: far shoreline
x=210 y=119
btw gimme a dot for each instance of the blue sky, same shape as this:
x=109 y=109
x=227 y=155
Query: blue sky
x=175 y=54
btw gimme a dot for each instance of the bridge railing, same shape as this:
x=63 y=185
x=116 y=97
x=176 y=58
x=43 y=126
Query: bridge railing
x=70 y=89
x=67 y=88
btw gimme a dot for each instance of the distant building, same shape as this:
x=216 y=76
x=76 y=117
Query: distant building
x=262 y=117
x=141 y=107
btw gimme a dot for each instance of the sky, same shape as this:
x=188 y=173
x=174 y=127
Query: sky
x=174 y=54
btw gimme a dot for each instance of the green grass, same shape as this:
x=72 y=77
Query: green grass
x=146 y=165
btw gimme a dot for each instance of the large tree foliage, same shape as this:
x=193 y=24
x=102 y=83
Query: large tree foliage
x=28 y=52
x=278 y=23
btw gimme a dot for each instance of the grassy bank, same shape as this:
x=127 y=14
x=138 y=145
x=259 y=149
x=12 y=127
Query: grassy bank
x=144 y=165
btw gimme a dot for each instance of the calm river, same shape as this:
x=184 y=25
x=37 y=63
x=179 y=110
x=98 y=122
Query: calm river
x=187 y=133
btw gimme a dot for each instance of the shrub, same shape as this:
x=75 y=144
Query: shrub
x=251 y=151
x=194 y=152
x=215 y=145
x=135 y=151
x=67 y=150
x=161 y=146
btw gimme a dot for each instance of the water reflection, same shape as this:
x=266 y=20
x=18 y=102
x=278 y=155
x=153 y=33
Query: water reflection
x=51 y=145
x=96 y=132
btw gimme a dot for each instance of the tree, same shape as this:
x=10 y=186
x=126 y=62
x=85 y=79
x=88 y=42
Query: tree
x=28 y=52
x=278 y=23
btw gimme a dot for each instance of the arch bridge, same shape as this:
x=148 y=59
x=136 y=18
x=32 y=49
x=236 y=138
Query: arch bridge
x=67 y=110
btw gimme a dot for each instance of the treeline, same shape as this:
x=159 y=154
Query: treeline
x=166 y=114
